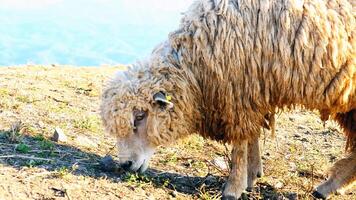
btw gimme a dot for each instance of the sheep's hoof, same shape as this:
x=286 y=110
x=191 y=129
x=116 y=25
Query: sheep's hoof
x=231 y=197
x=228 y=197
x=318 y=195
x=233 y=194
x=249 y=189
x=252 y=180
x=229 y=194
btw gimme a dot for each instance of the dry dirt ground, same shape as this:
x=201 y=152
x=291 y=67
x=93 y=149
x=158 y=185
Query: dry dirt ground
x=34 y=100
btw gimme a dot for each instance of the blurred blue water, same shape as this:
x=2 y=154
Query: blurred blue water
x=84 y=32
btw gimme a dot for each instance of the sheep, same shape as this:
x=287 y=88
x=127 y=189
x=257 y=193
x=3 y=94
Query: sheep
x=230 y=64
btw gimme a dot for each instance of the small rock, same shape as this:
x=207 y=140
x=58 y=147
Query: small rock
x=59 y=192
x=59 y=136
x=292 y=118
x=187 y=164
x=220 y=162
x=103 y=175
x=332 y=158
x=173 y=193
x=279 y=185
x=108 y=164
x=41 y=124
x=304 y=140
x=292 y=167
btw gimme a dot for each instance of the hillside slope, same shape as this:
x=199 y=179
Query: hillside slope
x=35 y=100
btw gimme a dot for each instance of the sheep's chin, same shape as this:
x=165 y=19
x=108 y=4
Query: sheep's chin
x=141 y=164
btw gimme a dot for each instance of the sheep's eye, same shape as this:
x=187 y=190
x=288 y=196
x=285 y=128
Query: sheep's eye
x=139 y=117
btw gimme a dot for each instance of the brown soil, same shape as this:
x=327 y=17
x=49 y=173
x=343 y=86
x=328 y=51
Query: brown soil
x=34 y=167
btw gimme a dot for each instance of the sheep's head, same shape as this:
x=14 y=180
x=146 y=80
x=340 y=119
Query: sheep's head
x=139 y=114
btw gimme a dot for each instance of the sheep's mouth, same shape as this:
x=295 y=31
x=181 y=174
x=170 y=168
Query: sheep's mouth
x=135 y=167
x=143 y=167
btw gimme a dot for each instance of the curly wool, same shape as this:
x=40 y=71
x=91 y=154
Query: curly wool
x=232 y=62
x=134 y=90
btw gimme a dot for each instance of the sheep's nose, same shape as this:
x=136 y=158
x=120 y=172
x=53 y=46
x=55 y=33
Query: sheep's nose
x=127 y=165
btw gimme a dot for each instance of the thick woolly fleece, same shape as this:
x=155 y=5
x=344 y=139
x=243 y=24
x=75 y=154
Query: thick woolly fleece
x=232 y=62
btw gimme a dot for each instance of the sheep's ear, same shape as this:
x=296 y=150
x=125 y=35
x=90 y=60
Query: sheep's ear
x=163 y=100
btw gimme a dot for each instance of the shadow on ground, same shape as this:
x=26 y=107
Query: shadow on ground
x=38 y=152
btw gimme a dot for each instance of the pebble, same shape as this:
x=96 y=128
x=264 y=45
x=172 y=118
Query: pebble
x=41 y=124
x=59 y=136
x=173 y=193
x=292 y=118
x=103 y=175
x=279 y=185
x=292 y=167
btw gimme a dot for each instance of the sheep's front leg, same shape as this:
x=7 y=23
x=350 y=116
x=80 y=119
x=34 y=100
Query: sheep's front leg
x=342 y=176
x=255 y=169
x=237 y=181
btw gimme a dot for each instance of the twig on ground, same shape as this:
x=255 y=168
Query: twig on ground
x=67 y=194
x=58 y=100
x=25 y=157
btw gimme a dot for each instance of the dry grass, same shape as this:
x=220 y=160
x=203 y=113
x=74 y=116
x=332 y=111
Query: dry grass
x=33 y=167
